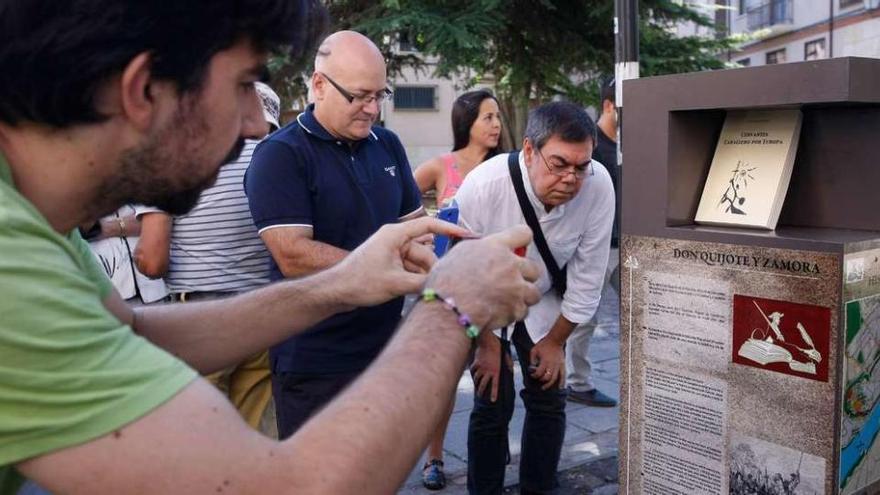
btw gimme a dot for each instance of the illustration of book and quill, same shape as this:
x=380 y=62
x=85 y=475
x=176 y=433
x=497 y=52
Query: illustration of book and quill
x=767 y=349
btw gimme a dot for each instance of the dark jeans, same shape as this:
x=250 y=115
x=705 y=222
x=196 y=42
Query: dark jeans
x=542 y=436
x=298 y=397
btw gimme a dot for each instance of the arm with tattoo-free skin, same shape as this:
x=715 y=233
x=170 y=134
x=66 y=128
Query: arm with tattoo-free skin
x=153 y=251
x=427 y=175
x=197 y=443
x=297 y=253
x=211 y=335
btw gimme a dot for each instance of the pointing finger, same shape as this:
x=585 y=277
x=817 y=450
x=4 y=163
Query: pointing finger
x=413 y=229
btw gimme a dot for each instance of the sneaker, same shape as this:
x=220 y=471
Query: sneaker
x=592 y=398
x=432 y=475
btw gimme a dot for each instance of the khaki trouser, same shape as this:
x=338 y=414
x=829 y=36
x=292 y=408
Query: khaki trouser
x=248 y=384
x=249 y=387
x=577 y=363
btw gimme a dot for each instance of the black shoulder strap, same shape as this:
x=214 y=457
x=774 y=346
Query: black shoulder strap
x=557 y=275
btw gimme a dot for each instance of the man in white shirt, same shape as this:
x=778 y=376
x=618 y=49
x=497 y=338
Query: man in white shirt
x=573 y=200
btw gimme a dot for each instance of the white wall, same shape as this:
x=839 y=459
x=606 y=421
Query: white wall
x=858 y=40
x=424 y=133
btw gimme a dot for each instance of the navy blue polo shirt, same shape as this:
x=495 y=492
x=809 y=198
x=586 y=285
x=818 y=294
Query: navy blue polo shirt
x=303 y=176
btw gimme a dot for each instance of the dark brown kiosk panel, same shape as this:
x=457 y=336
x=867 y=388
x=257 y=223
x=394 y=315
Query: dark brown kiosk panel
x=750 y=359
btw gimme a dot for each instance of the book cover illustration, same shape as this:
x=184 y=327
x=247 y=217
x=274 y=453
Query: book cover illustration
x=781 y=336
x=734 y=198
x=751 y=168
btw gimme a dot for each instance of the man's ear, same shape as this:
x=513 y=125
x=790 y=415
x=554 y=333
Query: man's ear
x=607 y=106
x=318 y=87
x=528 y=151
x=137 y=91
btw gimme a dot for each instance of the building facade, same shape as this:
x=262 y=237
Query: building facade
x=780 y=31
x=420 y=110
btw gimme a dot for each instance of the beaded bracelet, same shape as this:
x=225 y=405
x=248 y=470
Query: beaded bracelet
x=471 y=330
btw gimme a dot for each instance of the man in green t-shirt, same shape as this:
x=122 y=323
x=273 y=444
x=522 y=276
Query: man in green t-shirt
x=105 y=102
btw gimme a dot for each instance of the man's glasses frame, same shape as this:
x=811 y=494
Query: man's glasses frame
x=579 y=171
x=361 y=99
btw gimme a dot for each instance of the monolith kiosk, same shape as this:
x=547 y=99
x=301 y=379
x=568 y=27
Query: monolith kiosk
x=750 y=359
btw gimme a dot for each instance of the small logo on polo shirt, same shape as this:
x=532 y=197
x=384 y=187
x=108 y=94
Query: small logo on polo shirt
x=392 y=170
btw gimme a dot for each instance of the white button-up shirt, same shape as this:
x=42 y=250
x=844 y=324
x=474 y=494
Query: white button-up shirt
x=578 y=233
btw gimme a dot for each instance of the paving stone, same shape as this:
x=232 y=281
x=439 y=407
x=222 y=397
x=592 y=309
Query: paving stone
x=589 y=456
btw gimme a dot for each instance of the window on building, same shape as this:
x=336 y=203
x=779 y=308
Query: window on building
x=408 y=42
x=415 y=98
x=776 y=57
x=721 y=18
x=743 y=6
x=814 y=50
x=850 y=3
x=744 y=62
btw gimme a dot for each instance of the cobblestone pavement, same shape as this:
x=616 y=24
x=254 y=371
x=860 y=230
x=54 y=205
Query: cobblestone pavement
x=589 y=455
x=594 y=478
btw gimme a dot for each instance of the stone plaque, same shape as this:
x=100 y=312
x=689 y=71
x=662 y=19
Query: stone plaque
x=729 y=368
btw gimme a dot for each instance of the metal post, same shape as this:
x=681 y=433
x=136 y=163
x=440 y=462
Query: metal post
x=626 y=33
x=830 y=28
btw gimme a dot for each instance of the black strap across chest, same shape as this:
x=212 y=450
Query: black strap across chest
x=557 y=275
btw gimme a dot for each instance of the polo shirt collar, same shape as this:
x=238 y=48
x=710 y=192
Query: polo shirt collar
x=310 y=124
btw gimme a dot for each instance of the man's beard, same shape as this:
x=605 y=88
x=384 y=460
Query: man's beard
x=155 y=173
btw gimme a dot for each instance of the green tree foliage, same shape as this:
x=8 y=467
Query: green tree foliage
x=663 y=52
x=530 y=50
x=289 y=79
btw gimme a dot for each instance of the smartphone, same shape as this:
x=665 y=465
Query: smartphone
x=443 y=243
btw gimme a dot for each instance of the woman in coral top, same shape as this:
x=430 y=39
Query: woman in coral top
x=476 y=130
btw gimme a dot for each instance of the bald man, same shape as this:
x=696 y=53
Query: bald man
x=317 y=189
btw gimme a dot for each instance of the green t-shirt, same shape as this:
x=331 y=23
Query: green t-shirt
x=70 y=371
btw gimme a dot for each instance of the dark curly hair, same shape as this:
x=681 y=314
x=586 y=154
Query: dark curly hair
x=55 y=54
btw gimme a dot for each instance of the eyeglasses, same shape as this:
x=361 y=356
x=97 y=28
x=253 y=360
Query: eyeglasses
x=366 y=99
x=562 y=170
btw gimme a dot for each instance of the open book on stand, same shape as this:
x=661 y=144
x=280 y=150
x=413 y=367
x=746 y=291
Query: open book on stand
x=751 y=169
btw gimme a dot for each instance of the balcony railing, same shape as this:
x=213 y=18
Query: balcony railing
x=769 y=14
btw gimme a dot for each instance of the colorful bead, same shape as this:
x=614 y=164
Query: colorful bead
x=471 y=330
